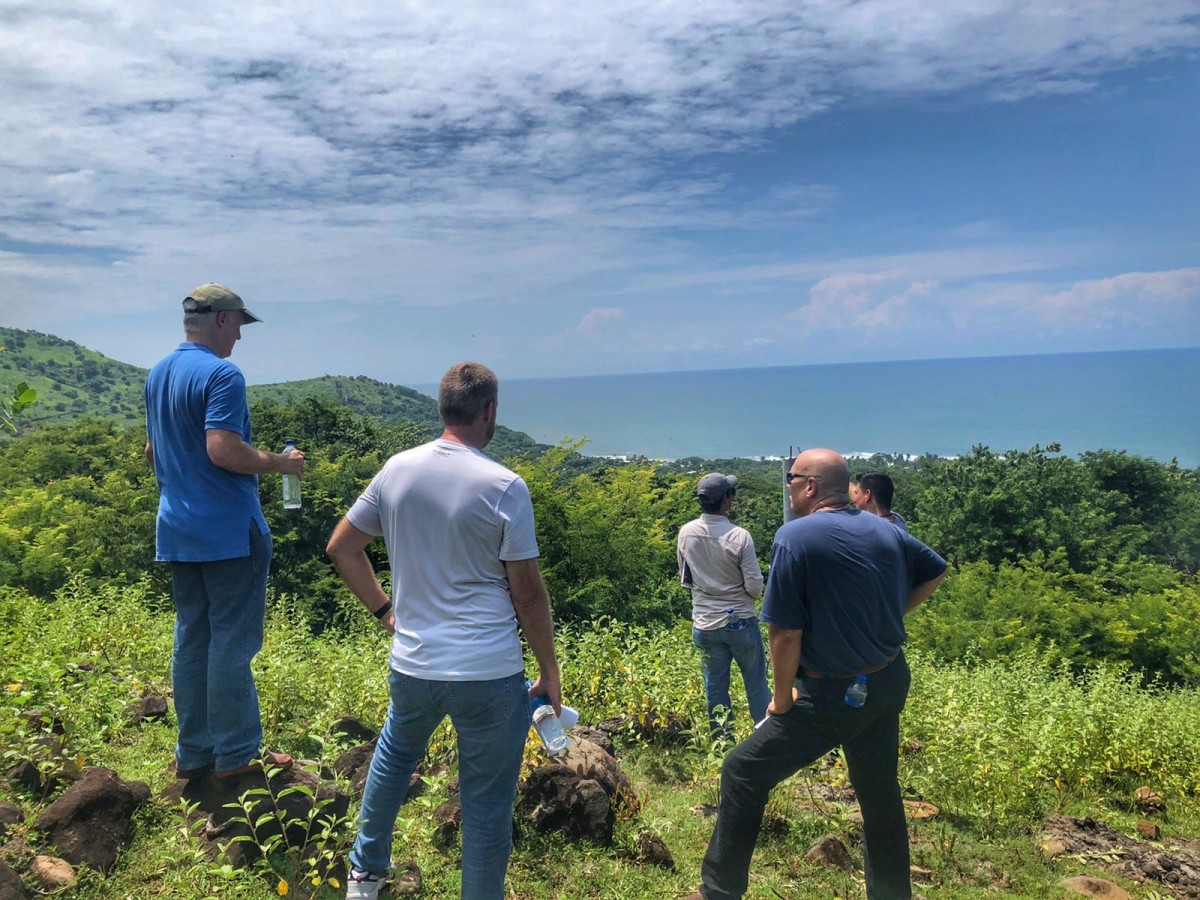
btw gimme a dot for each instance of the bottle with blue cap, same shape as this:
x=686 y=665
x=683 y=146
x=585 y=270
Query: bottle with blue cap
x=551 y=728
x=856 y=694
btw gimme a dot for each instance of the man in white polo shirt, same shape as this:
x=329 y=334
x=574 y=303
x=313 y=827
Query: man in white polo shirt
x=717 y=561
x=460 y=537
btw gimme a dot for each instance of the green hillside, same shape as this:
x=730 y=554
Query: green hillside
x=73 y=382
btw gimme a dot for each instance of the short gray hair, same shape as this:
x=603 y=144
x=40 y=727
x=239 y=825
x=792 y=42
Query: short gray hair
x=196 y=319
x=466 y=390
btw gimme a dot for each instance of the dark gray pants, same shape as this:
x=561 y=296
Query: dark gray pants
x=819 y=721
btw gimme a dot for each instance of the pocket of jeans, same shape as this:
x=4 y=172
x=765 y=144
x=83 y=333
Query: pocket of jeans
x=483 y=703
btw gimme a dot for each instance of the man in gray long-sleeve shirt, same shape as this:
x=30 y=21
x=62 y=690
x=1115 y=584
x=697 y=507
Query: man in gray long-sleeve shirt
x=717 y=561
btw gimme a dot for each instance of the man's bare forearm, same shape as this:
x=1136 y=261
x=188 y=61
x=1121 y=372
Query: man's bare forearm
x=227 y=450
x=531 y=603
x=921 y=593
x=347 y=550
x=785 y=662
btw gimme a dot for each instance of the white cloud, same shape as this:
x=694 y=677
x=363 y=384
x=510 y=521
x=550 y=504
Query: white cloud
x=307 y=105
x=1130 y=297
x=859 y=300
x=592 y=319
x=386 y=156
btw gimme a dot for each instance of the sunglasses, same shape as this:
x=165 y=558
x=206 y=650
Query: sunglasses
x=792 y=476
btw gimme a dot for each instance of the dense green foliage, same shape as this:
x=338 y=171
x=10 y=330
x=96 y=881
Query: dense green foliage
x=1099 y=509
x=1088 y=559
x=997 y=746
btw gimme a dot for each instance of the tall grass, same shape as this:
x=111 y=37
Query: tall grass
x=996 y=744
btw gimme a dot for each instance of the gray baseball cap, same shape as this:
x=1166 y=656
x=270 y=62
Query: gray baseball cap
x=713 y=487
x=213 y=297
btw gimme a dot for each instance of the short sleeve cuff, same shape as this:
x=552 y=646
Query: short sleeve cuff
x=363 y=517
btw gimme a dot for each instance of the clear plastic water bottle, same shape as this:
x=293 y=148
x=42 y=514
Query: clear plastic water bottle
x=856 y=694
x=291 y=483
x=549 y=726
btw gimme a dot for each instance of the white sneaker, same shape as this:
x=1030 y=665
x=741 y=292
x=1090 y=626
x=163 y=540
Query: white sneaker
x=365 y=886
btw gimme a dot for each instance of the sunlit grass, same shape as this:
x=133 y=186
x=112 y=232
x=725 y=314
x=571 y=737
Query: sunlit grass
x=1001 y=745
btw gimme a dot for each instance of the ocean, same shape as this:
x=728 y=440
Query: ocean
x=1145 y=402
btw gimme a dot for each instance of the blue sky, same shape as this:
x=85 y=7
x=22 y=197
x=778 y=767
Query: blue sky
x=615 y=187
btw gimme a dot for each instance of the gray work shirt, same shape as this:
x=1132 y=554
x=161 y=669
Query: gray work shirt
x=717 y=561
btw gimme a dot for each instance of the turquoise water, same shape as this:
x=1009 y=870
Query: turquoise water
x=1143 y=401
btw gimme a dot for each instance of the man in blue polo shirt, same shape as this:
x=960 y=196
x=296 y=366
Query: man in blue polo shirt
x=211 y=530
x=841 y=581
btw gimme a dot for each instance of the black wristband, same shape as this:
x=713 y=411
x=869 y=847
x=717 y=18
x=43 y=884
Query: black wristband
x=383 y=610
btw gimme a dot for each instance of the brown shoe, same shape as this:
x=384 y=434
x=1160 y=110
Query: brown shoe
x=192 y=774
x=269 y=760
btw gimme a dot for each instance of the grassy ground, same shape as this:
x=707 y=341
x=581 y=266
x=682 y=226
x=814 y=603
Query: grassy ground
x=996 y=747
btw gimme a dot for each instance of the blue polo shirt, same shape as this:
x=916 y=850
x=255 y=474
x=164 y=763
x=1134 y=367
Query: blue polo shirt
x=205 y=513
x=843 y=577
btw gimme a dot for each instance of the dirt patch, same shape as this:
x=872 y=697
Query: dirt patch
x=1174 y=865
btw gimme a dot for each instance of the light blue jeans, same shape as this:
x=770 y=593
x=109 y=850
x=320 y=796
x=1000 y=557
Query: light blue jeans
x=219 y=609
x=491 y=720
x=720 y=647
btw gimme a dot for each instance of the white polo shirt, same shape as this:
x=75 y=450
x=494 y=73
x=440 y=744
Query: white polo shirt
x=451 y=518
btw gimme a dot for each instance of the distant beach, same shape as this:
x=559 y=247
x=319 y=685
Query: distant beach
x=1141 y=401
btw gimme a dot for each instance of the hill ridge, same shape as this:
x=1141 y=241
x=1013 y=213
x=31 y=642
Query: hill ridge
x=74 y=381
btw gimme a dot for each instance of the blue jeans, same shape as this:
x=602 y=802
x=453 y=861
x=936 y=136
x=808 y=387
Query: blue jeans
x=820 y=721
x=491 y=720
x=720 y=647
x=219 y=610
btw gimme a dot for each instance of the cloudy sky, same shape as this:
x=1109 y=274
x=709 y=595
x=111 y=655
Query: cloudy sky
x=565 y=189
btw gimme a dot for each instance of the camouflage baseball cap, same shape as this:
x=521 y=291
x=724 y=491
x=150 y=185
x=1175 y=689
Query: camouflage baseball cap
x=217 y=298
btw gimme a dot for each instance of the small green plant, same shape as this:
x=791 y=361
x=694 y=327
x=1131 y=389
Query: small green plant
x=298 y=853
x=22 y=398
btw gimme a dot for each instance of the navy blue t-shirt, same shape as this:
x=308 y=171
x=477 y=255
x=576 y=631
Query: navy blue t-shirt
x=843 y=577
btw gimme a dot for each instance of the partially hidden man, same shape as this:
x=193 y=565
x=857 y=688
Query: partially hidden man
x=873 y=492
x=718 y=562
x=211 y=530
x=841 y=581
x=459 y=532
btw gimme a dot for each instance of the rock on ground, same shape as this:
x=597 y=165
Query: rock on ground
x=52 y=873
x=9 y=815
x=11 y=887
x=349 y=726
x=149 y=709
x=1176 y=866
x=601 y=739
x=649 y=849
x=47 y=767
x=829 y=851
x=556 y=798
x=89 y=823
x=1095 y=887
x=590 y=760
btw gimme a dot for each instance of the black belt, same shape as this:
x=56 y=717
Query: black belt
x=871 y=670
